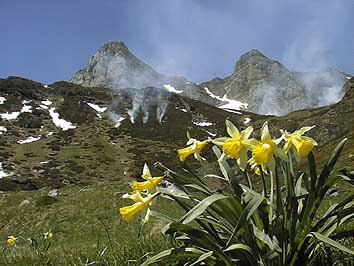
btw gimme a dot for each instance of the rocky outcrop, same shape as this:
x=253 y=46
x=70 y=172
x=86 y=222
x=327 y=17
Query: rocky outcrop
x=266 y=85
x=114 y=66
x=270 y=88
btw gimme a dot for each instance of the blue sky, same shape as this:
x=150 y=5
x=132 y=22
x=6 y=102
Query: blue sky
x=49 y=40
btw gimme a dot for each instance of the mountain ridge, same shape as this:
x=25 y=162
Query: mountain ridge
x=264 y=84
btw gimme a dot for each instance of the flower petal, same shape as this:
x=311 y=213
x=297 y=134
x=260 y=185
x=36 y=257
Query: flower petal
x=219 y=141
x=303 y=130
x=232 y=129
x=146 y=173
x=245 y=134
x=265 y=132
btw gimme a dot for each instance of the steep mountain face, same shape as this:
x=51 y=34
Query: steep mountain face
x=114 y=66
x=270 y=88
x=65 y=133
x=266 y=85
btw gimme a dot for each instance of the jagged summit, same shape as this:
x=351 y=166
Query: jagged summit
x=115 y=46
x=114 y=66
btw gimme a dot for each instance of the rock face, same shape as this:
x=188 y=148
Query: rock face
x=270 y=88
x=266 y=85
x=114 y=66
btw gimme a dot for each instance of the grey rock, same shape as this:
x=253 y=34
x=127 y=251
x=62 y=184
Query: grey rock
x=25 y=202
x=114 y=66
x=54 y=193
x=266 y=85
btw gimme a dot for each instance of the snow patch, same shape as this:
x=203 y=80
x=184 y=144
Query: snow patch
x=49 y=134
x=182 y=109
x=2 y=100
x=26 y=108
x=345 y=77
x=47 y=102
x=10 y=116
x=2 y=173
x=247 y=120
x=203 y=124
x=97 y=108
x=45 y=86
x=230 y=105
x=63 y=124
x=210 y=133
x=2 y=130
x=171 y=89
x=29 y=140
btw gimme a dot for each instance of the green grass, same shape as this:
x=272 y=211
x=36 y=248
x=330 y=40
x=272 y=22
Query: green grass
x=86 y=225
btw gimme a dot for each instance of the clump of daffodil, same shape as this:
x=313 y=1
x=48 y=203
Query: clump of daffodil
x=194 y=147
x=302 y=145
x=11 y=240
x=235 y=146
x=150 y=183
x=141 y=203
x=263 y=151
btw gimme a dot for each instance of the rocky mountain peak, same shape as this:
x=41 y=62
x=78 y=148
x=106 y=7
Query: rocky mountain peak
x=114 y=47
x=114 y=66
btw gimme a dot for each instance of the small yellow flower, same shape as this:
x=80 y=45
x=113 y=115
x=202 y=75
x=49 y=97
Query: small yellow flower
x=302 y=145
x=257 y=171
x=263 y=151
x=129 y=212
x=48 y=235
x=11 y=240
x=150 y=183
x=236 y=146
x=195 y=147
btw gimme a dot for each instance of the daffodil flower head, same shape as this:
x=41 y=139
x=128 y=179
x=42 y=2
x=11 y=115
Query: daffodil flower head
x=302 y=145
x=129 y=212
x=150 y=183
x=11 y=240
x=235 y=146
x=263 y=151
x=194 y=147
x=48 y=235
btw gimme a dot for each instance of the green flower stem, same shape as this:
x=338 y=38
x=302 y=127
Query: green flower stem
x=264 y=182
x=271 y=196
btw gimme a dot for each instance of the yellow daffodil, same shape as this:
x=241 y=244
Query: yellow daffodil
x=236 y=146
x=263 y=151
x=302 y=145
x=150 y=183
x=194 y=147
x=11 y=240
x=48 y=235
x=141 y=204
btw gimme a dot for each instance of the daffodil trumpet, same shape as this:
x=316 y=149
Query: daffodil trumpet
x=302 y=145
x=149 y=183
x=195 y=147
x=141 y=203
x=263 y=151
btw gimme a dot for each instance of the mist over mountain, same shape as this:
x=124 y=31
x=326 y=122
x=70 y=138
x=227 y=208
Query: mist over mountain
x=264 y=85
